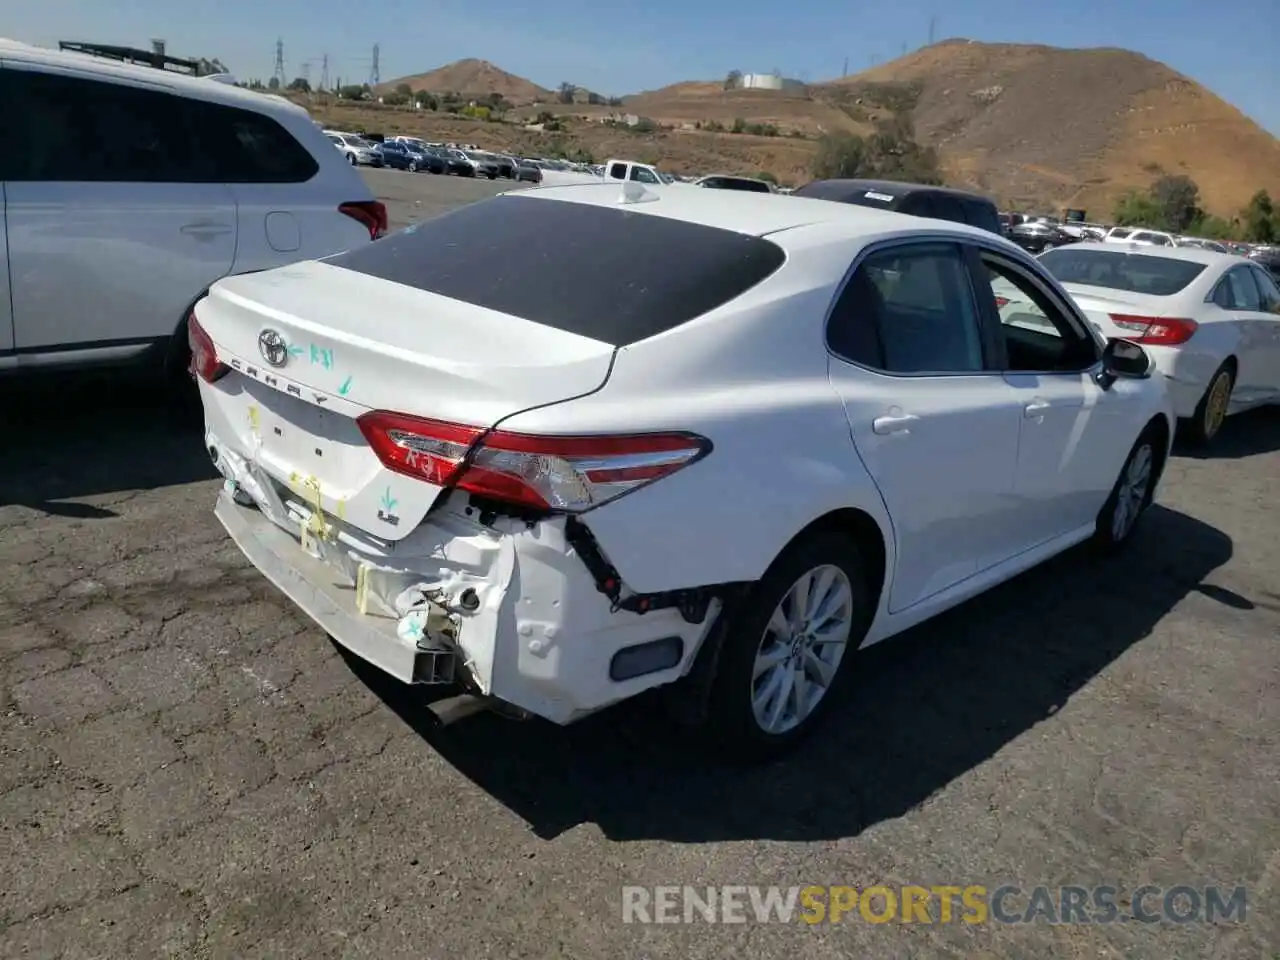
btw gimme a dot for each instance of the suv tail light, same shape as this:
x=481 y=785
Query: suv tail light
x=1156 y=331
x=371 y=213
x=567 y=474
x=204 y=356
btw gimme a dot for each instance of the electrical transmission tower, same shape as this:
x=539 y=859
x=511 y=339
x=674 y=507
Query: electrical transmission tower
x=278 y=70
x=375 y=73
x=306 y=72
x=324 y=72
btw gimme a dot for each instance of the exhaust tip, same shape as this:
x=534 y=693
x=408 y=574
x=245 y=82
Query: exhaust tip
x=213 y=454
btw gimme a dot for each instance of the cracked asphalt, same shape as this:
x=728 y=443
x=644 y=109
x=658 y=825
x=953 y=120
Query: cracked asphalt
x=188 y=768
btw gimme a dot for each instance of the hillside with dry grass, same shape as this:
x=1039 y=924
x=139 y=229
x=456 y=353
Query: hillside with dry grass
x=1077 y=127
x=1036 y=127
x=472 y=78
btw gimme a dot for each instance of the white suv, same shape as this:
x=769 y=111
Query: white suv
x=128 y=191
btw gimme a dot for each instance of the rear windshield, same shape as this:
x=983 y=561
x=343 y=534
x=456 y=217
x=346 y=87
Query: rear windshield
x=610 y=274
x=1134 y=272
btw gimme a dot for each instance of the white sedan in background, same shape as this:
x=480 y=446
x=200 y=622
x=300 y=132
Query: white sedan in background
x=1211 y=321
x=697 y=444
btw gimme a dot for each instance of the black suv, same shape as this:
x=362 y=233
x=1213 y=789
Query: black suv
x=917 y=199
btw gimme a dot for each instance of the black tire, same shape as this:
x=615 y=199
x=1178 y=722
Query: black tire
x=732 y=727
x=1109 y=534
x=1204 y=425
x=413 y=166
x=351 y=159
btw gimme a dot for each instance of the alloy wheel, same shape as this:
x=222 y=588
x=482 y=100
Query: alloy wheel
x=800 y=652
x=1131 y=494
x=1215 y=410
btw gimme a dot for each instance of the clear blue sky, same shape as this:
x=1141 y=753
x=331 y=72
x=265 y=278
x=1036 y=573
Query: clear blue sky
x=626 y=46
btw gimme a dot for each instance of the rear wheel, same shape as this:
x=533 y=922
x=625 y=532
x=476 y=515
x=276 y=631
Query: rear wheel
x=1212 y=409
x=786 y=649
x=413 y=166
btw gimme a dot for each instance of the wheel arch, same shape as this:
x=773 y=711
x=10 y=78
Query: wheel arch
x=863 y=529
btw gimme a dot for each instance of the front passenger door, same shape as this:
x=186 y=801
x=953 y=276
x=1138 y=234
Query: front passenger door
x=1074 y=435
x=7 y=359
x=934 y=424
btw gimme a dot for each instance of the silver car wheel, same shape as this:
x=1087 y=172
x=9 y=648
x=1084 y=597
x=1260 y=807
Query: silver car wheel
x=801 y=649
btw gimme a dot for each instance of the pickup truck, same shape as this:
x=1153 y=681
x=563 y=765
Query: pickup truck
x=615 y=169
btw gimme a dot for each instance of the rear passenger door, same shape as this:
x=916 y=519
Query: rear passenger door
x=934 y=423
x=286 y=201
x=113 y=226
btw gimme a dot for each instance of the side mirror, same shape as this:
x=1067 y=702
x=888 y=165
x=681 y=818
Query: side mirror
x=1123 y=358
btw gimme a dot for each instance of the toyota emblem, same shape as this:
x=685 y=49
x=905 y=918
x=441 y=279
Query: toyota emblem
x=273 y=347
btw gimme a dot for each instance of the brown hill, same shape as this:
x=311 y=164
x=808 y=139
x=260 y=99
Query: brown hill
x=1037 y=124
x=472 y=77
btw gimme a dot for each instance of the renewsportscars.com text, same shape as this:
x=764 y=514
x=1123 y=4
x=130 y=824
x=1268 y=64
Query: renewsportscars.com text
x=968 y=904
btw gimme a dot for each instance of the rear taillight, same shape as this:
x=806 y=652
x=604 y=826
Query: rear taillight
x=204 y=356
x=569 y=474
x=1001 y=302
x=1155 y=331
x=371 y=213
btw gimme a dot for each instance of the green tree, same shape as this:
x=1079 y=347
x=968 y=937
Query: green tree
x=1136 y=209
x=1177 y=198
x=1260 y=219
x=273 y=83
x=734 y=80
x=300 y=84
x=766 y=176
x=839 y=155
x=405 y=91
x=566 y=92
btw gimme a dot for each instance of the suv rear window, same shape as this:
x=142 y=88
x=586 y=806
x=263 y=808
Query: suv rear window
x=1133 y=272
x=614 y=275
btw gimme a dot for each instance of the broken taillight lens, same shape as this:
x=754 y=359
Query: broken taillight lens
x=1155 y=331
x=204 y=356
x=561 y=473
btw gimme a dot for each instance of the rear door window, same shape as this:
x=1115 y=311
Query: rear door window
x=73 y=128
x=910 y=310
x=614 y=275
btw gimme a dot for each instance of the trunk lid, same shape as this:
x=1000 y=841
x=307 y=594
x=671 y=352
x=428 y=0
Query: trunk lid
x=1099 y=303
x=346 y=343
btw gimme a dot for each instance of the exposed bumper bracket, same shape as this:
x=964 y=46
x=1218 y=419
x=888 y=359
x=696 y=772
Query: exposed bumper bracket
x=692 y=602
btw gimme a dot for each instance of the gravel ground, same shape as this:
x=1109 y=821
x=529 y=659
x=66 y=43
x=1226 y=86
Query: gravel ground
x=189 y=768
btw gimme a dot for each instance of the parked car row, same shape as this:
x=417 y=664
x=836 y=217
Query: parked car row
x=534 y=491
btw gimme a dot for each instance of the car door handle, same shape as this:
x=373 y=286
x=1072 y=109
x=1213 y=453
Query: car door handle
x=1035 y=408
x=886 y=425
x=205 y=228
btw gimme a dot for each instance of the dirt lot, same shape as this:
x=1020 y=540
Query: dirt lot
x=189 y=768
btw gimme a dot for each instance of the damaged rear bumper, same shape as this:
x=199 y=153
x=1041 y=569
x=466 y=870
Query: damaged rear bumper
x=328 y=599
x=507 y=608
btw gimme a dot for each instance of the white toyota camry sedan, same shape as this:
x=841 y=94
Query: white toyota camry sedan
x=1211 y=321
x=712 y=437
